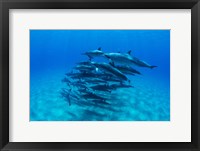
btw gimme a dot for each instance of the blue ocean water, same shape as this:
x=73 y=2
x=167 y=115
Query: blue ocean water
x=53 y=53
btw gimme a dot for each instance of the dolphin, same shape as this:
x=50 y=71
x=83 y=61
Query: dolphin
x=142 y=63
x=80 y=82
x=120 y=58
x=127 y=59
x=111 y=79
x=110 y=69
x=84 y=63
x=94 y=53
x=115 y=86
x=70 y=73
x=66 y=94
x=75 y=95
x=125 y=69
x=101 y=75
x=95 y=80
x=100 y=101
x=84 y=68
x=92 y=96
x=78 y=85
x=102 y=88
x=82 y=75
x=66 y=80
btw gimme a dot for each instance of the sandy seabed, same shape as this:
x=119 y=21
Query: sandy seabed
x=149 y=100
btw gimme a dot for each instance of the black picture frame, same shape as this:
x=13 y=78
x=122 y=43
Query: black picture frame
x=5 y=5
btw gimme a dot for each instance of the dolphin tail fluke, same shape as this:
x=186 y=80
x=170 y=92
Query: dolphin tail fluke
x=153 y=67
x=90 y=58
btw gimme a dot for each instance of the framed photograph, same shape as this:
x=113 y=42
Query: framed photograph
x=99 y=75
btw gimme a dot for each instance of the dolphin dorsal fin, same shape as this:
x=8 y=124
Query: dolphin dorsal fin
x=111 y=63
x=99 y=48
x=129 y=52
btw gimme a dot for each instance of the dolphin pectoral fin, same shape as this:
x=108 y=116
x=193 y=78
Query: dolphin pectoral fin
x=90 y=58
x=99 y=48
x=129 y=52
x=153 y=67
x=106 y=56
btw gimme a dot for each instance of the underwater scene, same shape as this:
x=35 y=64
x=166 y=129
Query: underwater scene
x=99 y=75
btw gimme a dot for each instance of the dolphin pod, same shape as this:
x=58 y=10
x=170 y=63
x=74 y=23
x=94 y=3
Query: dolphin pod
x=93 y=82
x=122 y=58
